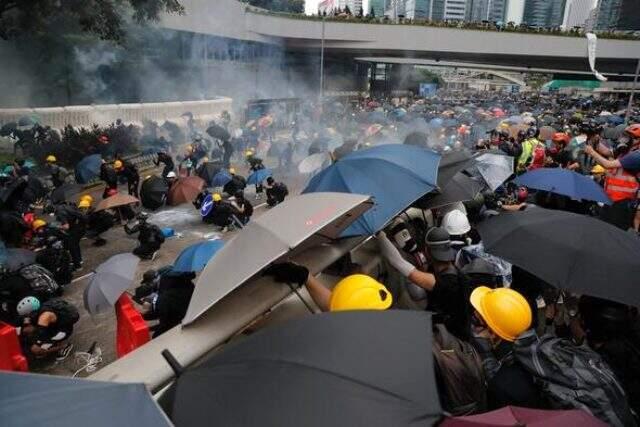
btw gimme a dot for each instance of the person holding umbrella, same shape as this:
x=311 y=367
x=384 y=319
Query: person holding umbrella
x=130 y=172
x=74 y=223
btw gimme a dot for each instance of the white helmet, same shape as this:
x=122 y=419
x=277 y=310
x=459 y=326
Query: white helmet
x=28 y=305
x=171 y=174
x=456 y=223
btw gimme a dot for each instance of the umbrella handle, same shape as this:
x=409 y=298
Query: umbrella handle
x=306 y=304
x=176 y=367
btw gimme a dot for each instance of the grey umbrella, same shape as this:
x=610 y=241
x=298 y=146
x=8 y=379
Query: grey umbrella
x=28 y=400
x=110 y=280
x=300 y=222
x=494 y=168
x=460 y=189
x=17 y=258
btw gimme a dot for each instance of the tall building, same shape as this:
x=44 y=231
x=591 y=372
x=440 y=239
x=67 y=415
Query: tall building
x=544 y=13
x=455 y=10
x=515 y=11
x=417 y=9
x=378 y=7
x=487 y=10
x=618 y=15
x=395 y=9
x=577 y=13
x=437 y=10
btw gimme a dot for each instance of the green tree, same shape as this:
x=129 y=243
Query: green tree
x=104 y=18
x=347 y=10
x=372 y=13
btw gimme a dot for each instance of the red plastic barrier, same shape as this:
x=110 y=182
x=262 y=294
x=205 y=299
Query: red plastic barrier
x=132 y=330
x=11 y=357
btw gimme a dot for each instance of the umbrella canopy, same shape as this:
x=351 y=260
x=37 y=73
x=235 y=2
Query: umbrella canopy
x=116 y=201
x=615 y=120
x=515 y=417
x=17 y=258
x=218 y=132
x=195 y=257
x=494 y=168
x=460 y=189
x=301 y=219
x=221 y=179
x=28 y=400
x=313 y=163
x=88 y=168
x=452 y=163
x=185 y=190
x=515 y=129
x=153 y=192
x=68 y=191
x=208 y=171
x=570 y=251
x=396 y=175
x=13 y=191
x=110 y=280
x=258 y=176
x=330 y=369
x=565 y=182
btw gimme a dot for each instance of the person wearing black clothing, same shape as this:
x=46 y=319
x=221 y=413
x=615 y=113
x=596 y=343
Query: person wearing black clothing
x=12 y=228
x=243 y=209
x=47 y=329
x=150 y=237
x=228 y=152
x=110 y=178
x=276 y=192
x=165 y=159
x=237 y=183
x=74 y=223
x=255 y=164
x=130 y=172
x=58 y=174
x=197 y=203
x=173 y=297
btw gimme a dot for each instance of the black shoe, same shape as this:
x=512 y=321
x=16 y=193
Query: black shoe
x=64 y=352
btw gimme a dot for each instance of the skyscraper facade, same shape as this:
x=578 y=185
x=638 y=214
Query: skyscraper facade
x=618 y=15
x=455 y=10
x=437 y=10
x=417 y=9
x=487 y=10
x=544 y=13
x=577 y=13
x=378 y=7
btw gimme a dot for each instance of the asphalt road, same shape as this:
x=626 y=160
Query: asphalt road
x=187 y=223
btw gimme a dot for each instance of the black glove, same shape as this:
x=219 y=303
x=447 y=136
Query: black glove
x=288 y=272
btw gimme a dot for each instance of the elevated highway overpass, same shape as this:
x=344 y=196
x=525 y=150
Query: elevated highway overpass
x=234 y=20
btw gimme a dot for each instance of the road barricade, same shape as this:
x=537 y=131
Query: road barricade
x=132 y=330
x=11 y=357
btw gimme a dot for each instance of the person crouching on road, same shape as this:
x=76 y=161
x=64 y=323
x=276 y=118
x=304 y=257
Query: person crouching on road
x=150 y=237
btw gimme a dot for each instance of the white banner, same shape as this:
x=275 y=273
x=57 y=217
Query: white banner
x=592 y=41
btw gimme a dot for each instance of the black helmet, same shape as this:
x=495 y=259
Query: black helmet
x=239 y=194
x=533 y=132
x=590 y=127
x=149 y=275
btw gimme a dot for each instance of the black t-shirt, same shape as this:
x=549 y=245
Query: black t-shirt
x=448 y=300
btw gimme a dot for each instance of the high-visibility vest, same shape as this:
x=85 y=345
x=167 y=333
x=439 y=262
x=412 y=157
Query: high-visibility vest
x=621 y=185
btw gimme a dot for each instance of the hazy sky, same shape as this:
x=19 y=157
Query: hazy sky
x=311 y=6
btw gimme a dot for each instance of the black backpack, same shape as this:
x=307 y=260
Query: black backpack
x=66 y=313
x=459 y=374
x=574 y=377
x=41 y=281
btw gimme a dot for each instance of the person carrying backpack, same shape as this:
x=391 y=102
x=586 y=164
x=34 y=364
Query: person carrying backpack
x=150 y=237
x=276 y=192
x=47 y=327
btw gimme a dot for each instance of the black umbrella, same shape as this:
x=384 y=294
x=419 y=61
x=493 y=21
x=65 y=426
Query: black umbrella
x=460 y=189
x=358 y=368
x=208 y=170
x=66 y=192
x=452 y=163
x=153 y=192
x=13 y=191
x=30 y=400
x=218 y=132
x=570 y=251
x=35 y=190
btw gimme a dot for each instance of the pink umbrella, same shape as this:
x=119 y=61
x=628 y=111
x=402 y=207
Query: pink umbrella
x=515 y=416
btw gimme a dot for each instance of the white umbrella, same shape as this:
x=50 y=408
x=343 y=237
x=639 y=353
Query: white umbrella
x=494 y=168
x=311 y=219
x=314 y=163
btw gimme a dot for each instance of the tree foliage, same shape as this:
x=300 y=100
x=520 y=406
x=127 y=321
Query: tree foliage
x=104 y=18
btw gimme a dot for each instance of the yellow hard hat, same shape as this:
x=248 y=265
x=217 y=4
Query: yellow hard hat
x=217 y=197
x=37 y=224
x=205 y=159
x=360 y=292
x=84 y=203
x=51 y=158
x=597 y=169
x=232 y=171
x=117 y=164
x=248 y=153
x=87 y=197
x=505 y=311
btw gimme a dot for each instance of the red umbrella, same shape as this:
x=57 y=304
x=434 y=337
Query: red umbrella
x=185 y=190
x=515 y=416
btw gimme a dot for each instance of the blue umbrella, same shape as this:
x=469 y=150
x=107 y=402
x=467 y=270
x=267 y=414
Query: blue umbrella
x=565 y=182
x=88 y=168
x=195 y=257
x=396 y=175
x=221 y=179
x=436 y=123
x=258 y=176
x=615 y=120
x=377 y=117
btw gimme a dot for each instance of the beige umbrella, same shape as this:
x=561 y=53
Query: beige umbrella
x=116 y=201
x=294 y=225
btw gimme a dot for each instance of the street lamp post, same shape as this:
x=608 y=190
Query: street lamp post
x=322 y=61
